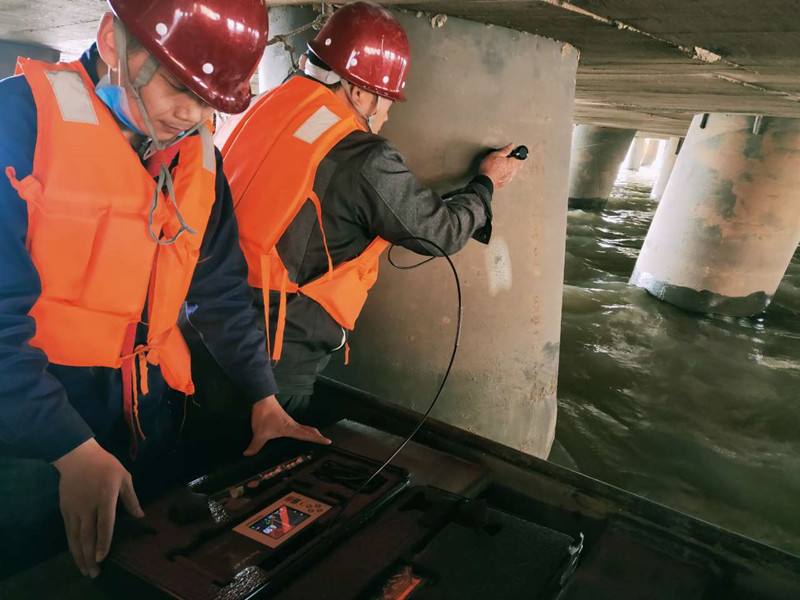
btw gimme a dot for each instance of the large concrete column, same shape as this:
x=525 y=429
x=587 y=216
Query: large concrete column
x=633 y=160
x=651 y=150
x=473 y=87
x=668 y=154
x=276 y=64
x=595 y=158
x=729 y=221
x=10 y=51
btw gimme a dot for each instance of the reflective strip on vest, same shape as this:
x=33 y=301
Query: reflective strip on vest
x=72 y=98
x=317 y=124
x=209 y=155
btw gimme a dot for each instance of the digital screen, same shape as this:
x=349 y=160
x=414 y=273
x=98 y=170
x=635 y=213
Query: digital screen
x=279 y=522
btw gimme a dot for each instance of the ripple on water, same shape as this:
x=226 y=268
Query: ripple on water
x=701 y=413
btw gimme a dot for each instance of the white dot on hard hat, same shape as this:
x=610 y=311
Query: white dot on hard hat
x=353 y=62
x=385 y=79
x=208 y=68
x=328 y=42
x=162 y=29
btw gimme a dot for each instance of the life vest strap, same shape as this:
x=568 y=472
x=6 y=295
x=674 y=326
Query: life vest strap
x=280 y=328
x=130 y=385
x=265 y=274
x=318 y=206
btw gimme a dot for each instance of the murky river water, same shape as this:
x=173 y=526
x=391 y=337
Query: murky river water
x=700 y=413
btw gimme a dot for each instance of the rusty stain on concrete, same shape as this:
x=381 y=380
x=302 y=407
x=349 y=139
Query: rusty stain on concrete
x=729 y=222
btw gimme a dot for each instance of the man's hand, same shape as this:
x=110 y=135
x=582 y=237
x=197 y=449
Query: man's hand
x=91 y=481
x=499 y=168
x=269 y=421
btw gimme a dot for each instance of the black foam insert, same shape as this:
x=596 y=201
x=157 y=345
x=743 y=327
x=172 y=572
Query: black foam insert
x=505 y=557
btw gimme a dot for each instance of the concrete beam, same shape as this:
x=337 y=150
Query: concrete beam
x=646 y=65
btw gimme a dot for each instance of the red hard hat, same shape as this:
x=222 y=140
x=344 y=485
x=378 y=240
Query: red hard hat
x=364 y=44
x=212 y=46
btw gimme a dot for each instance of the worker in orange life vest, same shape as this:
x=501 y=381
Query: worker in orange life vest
x=114 y=211
x=319 y=195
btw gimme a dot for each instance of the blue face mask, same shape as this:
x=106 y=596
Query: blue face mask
x=116 y=99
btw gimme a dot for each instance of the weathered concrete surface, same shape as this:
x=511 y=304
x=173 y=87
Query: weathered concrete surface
x=503 y=385
x=10 y=51
x=276 y=64
x=668 y=154
x=595 y=158
x=67 y=25
x=633 y=160
x=729 y=221
x=645 y=64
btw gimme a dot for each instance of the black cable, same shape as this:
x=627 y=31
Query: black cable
x=446 y=373
x=407 y=267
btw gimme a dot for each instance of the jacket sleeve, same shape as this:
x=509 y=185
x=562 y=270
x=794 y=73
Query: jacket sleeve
x=36 y=418
x=220 y=303
x=399 y=207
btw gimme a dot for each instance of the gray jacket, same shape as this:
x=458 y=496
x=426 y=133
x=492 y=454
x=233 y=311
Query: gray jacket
x=366 y=191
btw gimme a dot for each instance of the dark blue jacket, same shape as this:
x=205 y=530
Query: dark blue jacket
x=46 y=410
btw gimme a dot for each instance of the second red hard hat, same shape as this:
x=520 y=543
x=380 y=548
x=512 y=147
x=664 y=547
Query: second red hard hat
x=366 y=45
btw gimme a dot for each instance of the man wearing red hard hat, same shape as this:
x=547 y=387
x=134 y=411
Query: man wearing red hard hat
x=319 y=195
x=114 y=213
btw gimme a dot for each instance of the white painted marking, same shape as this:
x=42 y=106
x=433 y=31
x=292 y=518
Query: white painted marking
x=317 y=124
x=498 y=266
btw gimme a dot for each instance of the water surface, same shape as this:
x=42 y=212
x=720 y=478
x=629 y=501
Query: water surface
x=701 y=413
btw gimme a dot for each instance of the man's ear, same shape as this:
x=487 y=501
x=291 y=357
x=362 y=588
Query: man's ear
x=106 y=42
x=362 y=98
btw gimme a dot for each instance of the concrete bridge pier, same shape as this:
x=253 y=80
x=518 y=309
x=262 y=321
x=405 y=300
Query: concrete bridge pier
x=668 y=154
x=729 y=222
x=595 y=159
x=503 y=384
x=10 y=51
x=651 y=150
x=633 y=160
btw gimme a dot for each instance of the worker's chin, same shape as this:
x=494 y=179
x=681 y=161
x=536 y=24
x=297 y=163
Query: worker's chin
x=165 y=137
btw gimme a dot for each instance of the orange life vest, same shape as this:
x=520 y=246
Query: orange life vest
x=271 y=158
x=89 y=199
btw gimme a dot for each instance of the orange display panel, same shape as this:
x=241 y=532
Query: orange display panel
x=282 y=520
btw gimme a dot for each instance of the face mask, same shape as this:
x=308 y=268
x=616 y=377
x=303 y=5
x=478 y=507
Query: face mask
x=116 y=99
